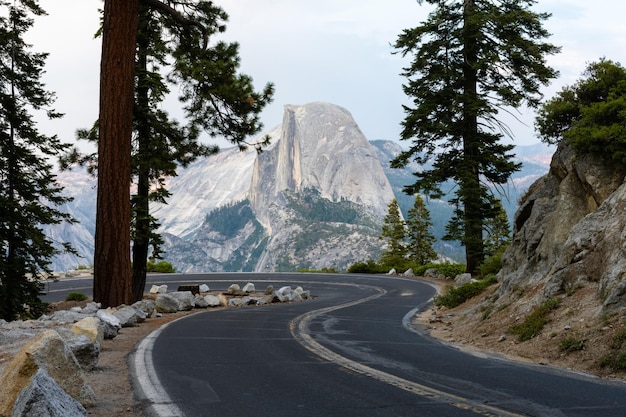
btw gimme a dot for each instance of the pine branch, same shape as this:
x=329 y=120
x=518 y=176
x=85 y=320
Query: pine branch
x=180 y=18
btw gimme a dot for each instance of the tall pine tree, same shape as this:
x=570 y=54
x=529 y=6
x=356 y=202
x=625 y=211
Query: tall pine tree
x=173 y=50
x=471 y=60
x=29 y=194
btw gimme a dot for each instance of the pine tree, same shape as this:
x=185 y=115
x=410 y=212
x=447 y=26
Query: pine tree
x=394 y=234
x=471 y=60
x=498 y=231
x=29 y=194
x=420 y=239
x=216 y=99
x=591 y=114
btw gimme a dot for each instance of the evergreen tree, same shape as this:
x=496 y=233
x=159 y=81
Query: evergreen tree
x=394 y=234
x=215 y=97
x=471 y=60
x=498 y=231
x=29 y=193
x=420 y=239
x=591 y=114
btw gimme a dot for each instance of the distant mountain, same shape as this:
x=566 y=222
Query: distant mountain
x=314 y=198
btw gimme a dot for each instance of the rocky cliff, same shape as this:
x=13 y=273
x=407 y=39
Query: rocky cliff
x=570 y=232
x=315 y=198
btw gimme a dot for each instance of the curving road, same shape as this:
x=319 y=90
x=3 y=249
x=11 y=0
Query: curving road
x=348 y=352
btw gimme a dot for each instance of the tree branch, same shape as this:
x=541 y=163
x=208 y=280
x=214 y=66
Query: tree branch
x=180 y=18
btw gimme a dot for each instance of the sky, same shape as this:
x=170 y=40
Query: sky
x=337 y=51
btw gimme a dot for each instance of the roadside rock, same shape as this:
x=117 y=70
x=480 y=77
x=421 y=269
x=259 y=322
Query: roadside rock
x=92 y=328
x=43 y=397
x=166 y=303
x=185 y=300
x=48 y=351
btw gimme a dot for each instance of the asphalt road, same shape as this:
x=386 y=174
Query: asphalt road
x=348 y=352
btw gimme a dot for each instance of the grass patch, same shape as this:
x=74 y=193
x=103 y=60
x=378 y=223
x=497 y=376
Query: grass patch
x=455 y=296
x=535 y=321
x=571 y=344
x=75 y=296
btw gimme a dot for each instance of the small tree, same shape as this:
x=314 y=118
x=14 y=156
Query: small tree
x=498 y=231
x=394 y=234
x=29 y=193
x=420 y=239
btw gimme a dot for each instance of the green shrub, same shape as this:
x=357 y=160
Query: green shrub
x=161 y=267
x=456 y=296
x=616 y=361
x=76 y=296
x=447 y=269
x=535 y=321
x=368 y=267
x=492 y=265
x=571 y=344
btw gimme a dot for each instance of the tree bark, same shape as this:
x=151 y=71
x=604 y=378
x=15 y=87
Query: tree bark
x=112 y=268
x=470 y=178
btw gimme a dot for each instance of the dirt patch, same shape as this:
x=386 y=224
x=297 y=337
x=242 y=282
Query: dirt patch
x=577 y=336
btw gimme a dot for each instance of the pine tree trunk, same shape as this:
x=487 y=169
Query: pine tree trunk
x=112 y=269
x=141 y=241
x=470 y=178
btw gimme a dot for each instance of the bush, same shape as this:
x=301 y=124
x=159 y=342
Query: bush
x=368 y=267
x=535 y=321
x=492 y=265
x=570 y=344
x=447 y=269
x=76 y=296
x=161 y=267
x=455 y=296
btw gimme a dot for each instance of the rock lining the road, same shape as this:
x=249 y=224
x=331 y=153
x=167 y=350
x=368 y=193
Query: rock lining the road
x=40 y=359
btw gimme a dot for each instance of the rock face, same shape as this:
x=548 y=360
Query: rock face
x=570 y=231
x=314 y=198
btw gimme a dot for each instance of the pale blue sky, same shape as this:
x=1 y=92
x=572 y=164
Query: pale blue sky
x=337 y=51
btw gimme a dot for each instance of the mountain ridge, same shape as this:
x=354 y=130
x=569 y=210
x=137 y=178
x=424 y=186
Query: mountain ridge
x=318 y=148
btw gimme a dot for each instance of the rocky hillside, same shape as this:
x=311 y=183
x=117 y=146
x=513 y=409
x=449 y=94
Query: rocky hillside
x=568 y=253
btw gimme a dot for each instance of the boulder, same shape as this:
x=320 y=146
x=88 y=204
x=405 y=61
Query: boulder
x=204 y=288
x=248 y=288
x=409 y=273
x=65 y=316
x=43 y=397
x=212 y=300
x=185 y=300
x=233 y=289
x=85 y=350
x=431 y=273
x=166 y=303
x=392 y=272
x=235 y=302
x=269 y=290
x=49 y=352
x=200 y=302
x=287 y=294
x=129 y=316
x=90 y=327
x=91 y=308
x=158 y=289
x=463 y=279
x=147 y=306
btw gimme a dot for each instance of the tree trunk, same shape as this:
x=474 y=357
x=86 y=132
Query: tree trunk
x=141 y=241
x=471 y=194
x=112 y=269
